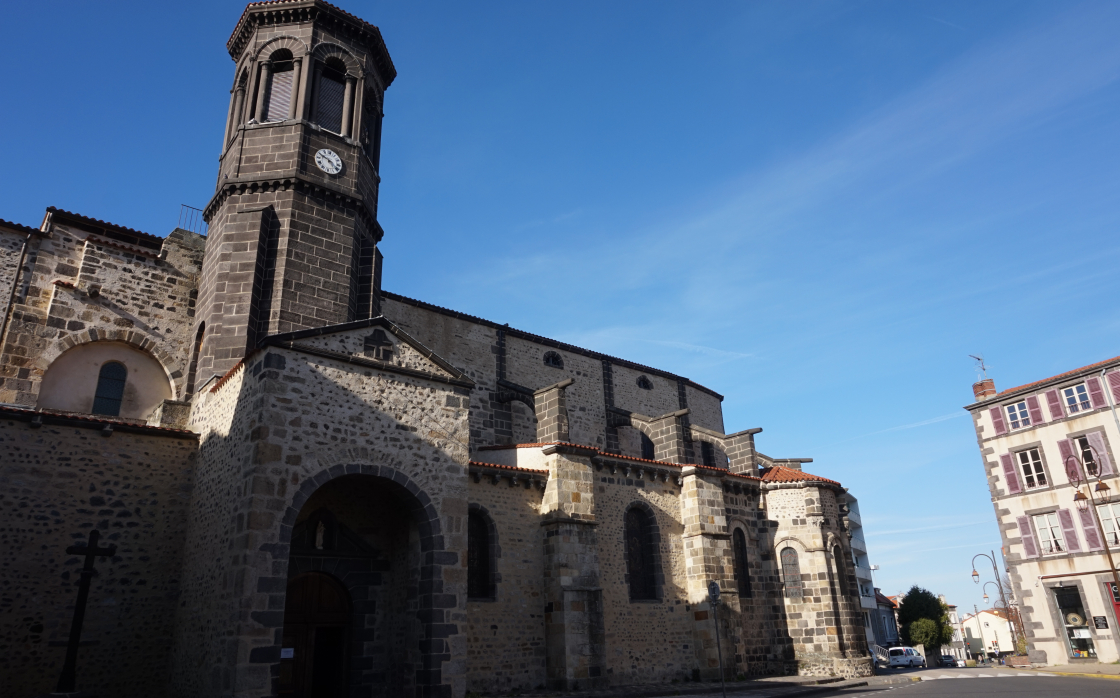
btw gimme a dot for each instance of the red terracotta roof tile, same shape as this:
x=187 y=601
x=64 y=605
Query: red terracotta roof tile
x=508 y=467
x=618 y=456
x=1057 y=377
x=779 y=473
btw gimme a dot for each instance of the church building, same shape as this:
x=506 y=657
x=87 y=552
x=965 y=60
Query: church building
x=316 y=486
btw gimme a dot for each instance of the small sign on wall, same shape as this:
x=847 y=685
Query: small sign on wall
x=1100 y=622
x=287 y=652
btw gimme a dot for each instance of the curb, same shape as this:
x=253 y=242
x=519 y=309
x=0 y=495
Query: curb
x=805 y=690
x=1084 y=675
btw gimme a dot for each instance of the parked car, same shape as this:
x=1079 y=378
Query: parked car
x=906 y=656
x=947 y=660
x=961 y=663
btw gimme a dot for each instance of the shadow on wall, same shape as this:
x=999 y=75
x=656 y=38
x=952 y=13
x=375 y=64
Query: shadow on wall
x=306 y=469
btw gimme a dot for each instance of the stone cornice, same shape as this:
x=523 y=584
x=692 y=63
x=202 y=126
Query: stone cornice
x=294 y=11
x=287 y=182
x=371 y=363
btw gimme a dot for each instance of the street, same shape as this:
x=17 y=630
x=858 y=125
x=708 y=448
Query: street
x=965 y=683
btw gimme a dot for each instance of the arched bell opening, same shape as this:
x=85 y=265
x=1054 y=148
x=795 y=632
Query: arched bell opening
x=364 y=535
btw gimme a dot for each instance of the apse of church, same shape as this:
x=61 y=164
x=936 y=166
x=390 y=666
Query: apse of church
x=314 y=486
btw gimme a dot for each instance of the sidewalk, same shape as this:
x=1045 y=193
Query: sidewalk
x=1104 y=671
x=769 y=687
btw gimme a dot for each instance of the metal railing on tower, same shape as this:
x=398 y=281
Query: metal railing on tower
x=190 y=218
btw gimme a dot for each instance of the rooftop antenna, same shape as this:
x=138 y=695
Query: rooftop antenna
x=981 y=367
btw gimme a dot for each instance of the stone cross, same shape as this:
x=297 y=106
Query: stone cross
x=91 y=551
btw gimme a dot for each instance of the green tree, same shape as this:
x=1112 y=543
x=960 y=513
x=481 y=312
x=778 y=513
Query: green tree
x=924 y=620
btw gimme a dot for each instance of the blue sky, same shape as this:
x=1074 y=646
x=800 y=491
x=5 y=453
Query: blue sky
x=817 y=209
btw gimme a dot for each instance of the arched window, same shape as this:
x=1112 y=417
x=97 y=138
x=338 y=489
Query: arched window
x=480 y=556
x=648 y=450
x=742 y=572
x=641 y=554
x=791 y=574
x=110 y=389
x=553 y=359
x=329 y=95
x=645 y=383
x=280 y=86
x=841 y=570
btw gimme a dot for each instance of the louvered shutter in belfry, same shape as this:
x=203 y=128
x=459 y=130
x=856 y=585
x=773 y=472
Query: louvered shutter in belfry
x=1009 y=474
x=1035 y=410
x=1068 y=531
x=1089 y=526
x=1027 y=536
x=1101 y=453
x=1096 y=395
x=328 y=105
x=1114 y=383
x=280 y=96
x=1071 y=467
x=997 y=420
x=1054 y=402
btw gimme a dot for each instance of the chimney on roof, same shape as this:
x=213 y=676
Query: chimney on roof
x=984 y=389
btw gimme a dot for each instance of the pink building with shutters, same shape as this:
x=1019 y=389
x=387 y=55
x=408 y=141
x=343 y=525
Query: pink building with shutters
x=1038 y=442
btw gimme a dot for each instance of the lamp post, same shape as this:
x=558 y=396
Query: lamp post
x=1099 y=495
x=999 y=585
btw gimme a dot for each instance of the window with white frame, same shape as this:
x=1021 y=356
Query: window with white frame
x=1086 y=455
x=1018 y=416
x=1030 y=463
x=1077 y=399
x=1110 y=519
x=1049 y=533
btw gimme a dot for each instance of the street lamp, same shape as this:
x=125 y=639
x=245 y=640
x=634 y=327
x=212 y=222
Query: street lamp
x=1090 y=498
x=999 y=585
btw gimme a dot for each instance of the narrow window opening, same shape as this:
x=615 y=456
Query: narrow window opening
x=331 y=91
x=707 y=454
x=641 y=555
x=742 y=571
x=645 y=383
x=648 y=450
x=480 y=583
x=791 y=574
x=841 y=571
x=110 y=389
x=280 y=86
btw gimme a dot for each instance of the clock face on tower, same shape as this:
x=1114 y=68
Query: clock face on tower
x=328 y=161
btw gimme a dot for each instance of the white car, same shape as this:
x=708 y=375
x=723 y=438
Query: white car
x=906 y=656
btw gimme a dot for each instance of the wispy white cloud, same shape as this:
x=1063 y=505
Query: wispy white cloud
x=942 y=527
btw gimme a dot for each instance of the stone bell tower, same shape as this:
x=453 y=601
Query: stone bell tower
x=293 y=220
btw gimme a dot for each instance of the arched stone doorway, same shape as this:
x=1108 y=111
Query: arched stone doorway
x=372 y=539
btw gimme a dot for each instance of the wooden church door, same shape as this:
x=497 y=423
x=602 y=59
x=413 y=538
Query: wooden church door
x=316 y=628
